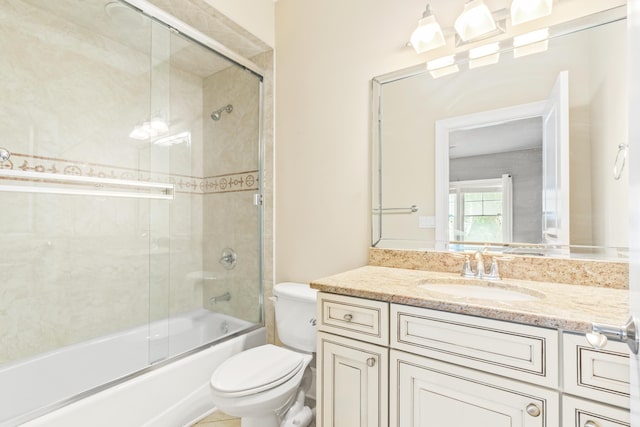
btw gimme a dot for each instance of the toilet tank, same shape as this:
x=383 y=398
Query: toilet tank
x=295 y=307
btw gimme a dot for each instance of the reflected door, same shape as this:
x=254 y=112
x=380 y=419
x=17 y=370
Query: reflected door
x=555 y=165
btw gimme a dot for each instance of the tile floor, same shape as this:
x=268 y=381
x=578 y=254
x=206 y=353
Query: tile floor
x=219 y=419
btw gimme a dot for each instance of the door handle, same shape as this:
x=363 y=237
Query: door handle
x=628 y=333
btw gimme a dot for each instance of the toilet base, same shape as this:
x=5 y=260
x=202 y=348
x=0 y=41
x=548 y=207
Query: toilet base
x=264 y=421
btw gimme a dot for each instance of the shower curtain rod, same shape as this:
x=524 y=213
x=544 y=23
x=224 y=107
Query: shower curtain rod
x=162 y=191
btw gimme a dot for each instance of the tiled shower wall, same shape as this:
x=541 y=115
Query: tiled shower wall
x=202 y=16
x=73 y=267
x=231 y=218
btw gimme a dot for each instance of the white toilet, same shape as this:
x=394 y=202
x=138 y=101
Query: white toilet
x=259 y=384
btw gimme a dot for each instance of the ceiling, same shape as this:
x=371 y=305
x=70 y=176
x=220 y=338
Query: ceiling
x=514 y=135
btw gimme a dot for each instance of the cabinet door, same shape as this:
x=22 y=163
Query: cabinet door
x=352 y=383
x=585 y=413
x=429 y=393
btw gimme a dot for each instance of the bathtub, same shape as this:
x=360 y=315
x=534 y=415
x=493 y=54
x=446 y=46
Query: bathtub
x=169 y=393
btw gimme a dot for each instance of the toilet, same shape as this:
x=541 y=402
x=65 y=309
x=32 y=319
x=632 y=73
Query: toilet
x=258 y=385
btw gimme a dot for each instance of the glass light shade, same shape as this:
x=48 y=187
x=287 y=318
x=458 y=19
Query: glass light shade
x=441 y=62
x=476 y=20
x=441 y=72
x=484 y=60
x=159 y=125
x=528 y=10
x=487 y=49
x=139 y=133
x=532 y=37
x=428 y=35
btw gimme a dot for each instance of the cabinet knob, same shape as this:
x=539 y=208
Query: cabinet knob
x=534 y=411
x=348 y=317
x=591 y=423
x=371 y=362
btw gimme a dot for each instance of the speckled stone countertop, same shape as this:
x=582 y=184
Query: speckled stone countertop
x=554 y=305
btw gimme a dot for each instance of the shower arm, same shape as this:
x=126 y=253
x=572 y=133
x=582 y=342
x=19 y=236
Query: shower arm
x=217 y=114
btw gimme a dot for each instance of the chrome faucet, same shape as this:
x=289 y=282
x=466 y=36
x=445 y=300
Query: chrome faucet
x=224 y=297
x=480 y=271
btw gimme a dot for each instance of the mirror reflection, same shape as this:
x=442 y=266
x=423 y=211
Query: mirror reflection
x=518 y=152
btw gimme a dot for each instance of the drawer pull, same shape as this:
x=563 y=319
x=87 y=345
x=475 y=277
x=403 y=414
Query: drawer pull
x=533 y=410
x=591 y=424
x=371 y=362
x=348 y=317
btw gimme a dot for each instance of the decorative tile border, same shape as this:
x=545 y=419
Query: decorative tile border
x=227 y=183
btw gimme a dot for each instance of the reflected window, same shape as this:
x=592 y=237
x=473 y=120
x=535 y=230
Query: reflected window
x=481 y=210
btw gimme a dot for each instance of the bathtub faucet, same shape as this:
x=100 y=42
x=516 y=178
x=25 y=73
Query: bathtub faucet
x=224 y=297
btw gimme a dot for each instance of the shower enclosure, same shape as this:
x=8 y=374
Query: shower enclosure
x=130 y=182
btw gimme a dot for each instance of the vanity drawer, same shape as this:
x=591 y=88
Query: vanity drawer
x=596 y=374
x=358 y=318
x=584 y=413
x=517 y=351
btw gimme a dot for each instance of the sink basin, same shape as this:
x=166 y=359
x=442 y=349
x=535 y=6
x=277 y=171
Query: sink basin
x=466 y=288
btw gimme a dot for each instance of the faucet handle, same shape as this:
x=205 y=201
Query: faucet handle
x=467 y=271
x=494 y=273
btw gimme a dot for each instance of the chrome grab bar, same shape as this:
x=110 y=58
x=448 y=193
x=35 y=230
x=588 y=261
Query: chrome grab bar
x=601 y=334
x=411 y=209
x=162 y=191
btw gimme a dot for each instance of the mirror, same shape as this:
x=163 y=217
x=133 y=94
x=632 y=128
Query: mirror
x=533 y=175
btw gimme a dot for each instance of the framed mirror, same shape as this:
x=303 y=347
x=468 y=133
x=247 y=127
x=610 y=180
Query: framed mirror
x=517 y=153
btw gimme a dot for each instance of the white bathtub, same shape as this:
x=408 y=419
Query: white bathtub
x=173 y=394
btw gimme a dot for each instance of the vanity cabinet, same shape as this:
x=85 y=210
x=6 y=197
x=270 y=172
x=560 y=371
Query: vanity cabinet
x=353 y=378
x=353 y=362
x=427 y=392
x=578 y=412
x=592 y=377
x=382 y=364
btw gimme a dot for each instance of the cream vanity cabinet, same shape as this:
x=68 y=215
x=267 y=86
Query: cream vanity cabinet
x=394 y=365
x=593 y=377
x=443 y=368
x=352 y=362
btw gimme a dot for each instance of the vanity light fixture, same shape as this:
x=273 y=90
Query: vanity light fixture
x=156 y=126
x=445 y=61
x=428 y=34
x=527 y=10
x=475 y=20
x=487 y=49
x=530 y=43
x=168 y=141
x=484 y=55
x=442 y=66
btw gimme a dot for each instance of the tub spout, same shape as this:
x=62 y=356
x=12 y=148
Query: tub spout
x=224 y=297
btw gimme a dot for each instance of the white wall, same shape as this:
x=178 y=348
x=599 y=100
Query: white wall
x=256 y=16
x=327 y=52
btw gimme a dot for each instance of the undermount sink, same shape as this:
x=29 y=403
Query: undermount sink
x=470 y=288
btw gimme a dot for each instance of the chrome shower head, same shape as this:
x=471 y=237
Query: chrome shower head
x=216 y=115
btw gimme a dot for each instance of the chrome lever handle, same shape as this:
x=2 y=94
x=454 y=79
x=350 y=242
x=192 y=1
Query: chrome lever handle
x=628 y=333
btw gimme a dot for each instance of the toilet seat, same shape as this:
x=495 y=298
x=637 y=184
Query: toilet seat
x=256 y=370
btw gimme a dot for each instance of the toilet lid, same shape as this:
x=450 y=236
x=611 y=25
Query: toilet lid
x=256 y=370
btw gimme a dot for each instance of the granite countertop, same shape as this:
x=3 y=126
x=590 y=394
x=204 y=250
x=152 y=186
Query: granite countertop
x=552 y=305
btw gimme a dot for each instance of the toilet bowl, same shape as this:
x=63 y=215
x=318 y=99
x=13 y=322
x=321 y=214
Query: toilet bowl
x=260 y=384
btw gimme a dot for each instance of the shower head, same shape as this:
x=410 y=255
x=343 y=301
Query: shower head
x=218 y=113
